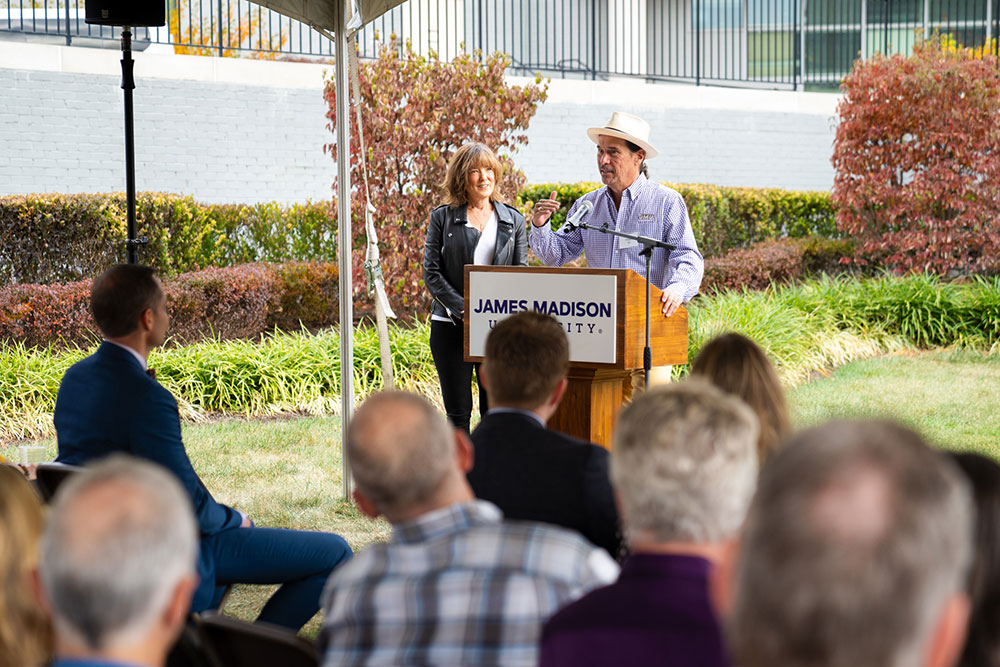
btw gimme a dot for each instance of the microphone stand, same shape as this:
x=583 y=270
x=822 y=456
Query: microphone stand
x=648 y=244
x=128 y=85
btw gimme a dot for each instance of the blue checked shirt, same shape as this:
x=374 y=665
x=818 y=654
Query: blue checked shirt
x=647 y=208
x=456 y=586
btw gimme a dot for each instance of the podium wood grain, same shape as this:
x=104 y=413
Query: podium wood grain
x=590 y=406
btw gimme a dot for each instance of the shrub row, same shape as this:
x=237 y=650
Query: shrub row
x=63 y=238
x=803 y=328
x=775 y=261
x=723 y=218
x=248 y=300
x=242 y=301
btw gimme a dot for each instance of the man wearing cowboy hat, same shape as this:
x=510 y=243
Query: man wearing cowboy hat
x=631 y=203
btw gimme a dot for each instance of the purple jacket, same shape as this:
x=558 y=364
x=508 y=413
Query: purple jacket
x=657 y=613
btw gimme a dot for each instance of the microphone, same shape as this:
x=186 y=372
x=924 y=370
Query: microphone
x=574 y=220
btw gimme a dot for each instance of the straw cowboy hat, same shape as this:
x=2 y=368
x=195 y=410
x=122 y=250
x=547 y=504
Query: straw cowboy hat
x=628 y=127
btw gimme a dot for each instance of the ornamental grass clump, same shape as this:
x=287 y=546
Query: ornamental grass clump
x=807 y=328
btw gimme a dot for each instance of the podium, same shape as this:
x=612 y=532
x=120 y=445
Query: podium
x=604 y=312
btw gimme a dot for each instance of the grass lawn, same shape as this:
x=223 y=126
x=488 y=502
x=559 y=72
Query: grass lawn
x=284 y=473
x=287 y=472
x=951 y=397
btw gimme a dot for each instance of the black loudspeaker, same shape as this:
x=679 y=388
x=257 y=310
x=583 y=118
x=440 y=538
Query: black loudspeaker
x=135 y=13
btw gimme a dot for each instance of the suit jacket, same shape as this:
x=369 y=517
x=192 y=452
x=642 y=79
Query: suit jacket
x=107 y=404
x=535 y=474
x=450 y=245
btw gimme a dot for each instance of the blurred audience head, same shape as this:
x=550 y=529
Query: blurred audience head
x=684 y=464
x=982 y=646
x=118 y=561
x=526 y=361
x=855 y=552
x=736 y=364
x=405 y=458
x=25 y=634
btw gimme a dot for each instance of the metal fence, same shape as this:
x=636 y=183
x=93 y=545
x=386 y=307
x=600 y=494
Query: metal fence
x=760 y=43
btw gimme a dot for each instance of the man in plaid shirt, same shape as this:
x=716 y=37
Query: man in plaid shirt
x=456 y=584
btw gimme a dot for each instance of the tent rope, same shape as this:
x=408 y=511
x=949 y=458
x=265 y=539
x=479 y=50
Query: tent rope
x=373 y=266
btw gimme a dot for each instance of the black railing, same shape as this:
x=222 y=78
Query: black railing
x=764 y=43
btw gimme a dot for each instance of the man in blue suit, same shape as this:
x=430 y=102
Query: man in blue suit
x=110 y=402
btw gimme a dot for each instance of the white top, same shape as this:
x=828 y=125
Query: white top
x=484 y=250
x=487 y=240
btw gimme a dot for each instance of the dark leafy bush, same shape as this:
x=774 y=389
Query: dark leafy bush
x=230 y=302
x=309 y=295
x=918 y=179
x=773 y=262
x=225 y=303
x=47 y=314
x=722 y=218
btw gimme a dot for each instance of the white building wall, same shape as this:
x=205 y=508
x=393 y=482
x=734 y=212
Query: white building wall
x=234 y=130
x=723 y=136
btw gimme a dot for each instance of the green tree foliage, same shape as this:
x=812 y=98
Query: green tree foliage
x=916 y=156
x=417 y=111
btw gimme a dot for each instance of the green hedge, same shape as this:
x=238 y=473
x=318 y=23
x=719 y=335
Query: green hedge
x=63 y=238
x=723 y=218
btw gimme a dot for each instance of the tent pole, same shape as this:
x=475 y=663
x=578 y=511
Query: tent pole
x=344 y=240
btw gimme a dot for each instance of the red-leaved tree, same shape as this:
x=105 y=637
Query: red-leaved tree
x=416 y=112
x=917 y=159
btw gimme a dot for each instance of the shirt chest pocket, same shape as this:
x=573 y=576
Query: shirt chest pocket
x=649 y=226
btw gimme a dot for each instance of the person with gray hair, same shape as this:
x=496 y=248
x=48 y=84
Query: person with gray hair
x=855 y=553
x=117 y=570
x=456 y=585
x=684 y=468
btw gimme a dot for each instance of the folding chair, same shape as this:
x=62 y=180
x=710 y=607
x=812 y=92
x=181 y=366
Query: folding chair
x=50 y=475
x=235 y=643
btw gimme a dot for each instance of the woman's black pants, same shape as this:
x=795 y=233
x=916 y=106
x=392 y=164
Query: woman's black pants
x=455 y=374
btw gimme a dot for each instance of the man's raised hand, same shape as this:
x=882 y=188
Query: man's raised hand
x=543 y=210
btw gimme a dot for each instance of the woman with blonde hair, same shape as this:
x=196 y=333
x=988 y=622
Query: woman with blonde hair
x=25 y=633
x=472 y=227
x=736 y=364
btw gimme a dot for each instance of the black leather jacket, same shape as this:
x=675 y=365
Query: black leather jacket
x=450 y=245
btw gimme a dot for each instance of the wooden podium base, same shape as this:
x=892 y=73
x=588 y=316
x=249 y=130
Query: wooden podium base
x=590 y=405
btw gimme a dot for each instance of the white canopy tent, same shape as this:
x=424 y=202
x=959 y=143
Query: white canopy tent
x=340 y=19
